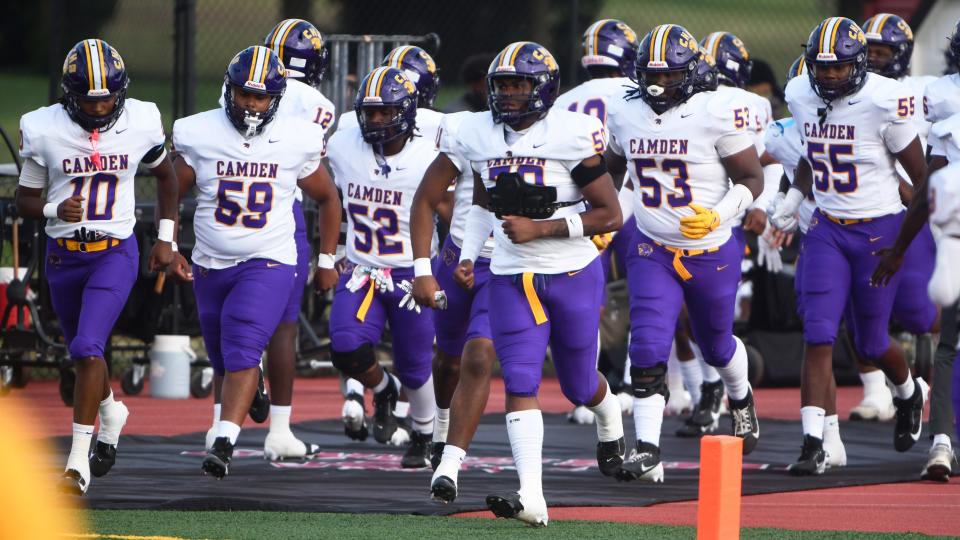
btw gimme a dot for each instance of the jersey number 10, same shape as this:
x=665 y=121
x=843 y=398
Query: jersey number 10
x=98 y=182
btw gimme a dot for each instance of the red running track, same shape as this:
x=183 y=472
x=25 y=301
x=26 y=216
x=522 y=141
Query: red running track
x=922 y=507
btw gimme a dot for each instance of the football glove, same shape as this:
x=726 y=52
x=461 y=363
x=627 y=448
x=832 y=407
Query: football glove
x=701 y=223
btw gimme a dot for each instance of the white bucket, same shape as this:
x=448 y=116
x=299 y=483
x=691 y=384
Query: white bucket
x=170 y=359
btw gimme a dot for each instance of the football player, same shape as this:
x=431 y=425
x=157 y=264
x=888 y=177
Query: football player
x=247 y=161
x=682 y=146
x=609 y=56
x=536 y=168
x=378 y=165
x=84 y=151
x=940 y=104
x=889 y=48
x=854 y=124
x=300 y=47
x=418 y=66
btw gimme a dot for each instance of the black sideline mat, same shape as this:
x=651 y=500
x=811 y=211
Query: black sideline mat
x=155 y=472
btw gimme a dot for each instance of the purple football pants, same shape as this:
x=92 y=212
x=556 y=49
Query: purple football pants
x=292 y=311
x=466 y=315
x=88 y=291
x=240 y=308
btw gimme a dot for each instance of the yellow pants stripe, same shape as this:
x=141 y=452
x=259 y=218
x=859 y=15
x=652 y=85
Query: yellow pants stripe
x=535 y=306
x=365 y=305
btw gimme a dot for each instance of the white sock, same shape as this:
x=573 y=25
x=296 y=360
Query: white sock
x=627 y=378
x=450 y=463
x=387 y=379
x=942 y=438
x=609 y=419
x=280 y=418
x=353 y=386
x=813 y=419
x=873 y=382
x=648 y=418
x=423 y=407
x=734 y=374
x=709 y=372
x=674 y=375
x=229 y=430
x=216 y=413
x=692 y=378
x=525 y=430
x=106 y=403
x=905 y=390
x=831 y=429
x=402 y=409
x=78 y=459
x=440 y=425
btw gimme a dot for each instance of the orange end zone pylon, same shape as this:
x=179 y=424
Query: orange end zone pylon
x=718 y=509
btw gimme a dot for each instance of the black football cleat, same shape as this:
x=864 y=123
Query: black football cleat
x=705 y=417
x=354 y=419
x=743 y=415
x=260 y=407
x=610 y=456
x=812 y=461
x=102 y=459
x=436 y=454
x=909 y=423
x=511 y=507
x=384 y=423
x=72 y=483
x=644 y=464
x=443 y=490
x=417 y=455
x=217 y=462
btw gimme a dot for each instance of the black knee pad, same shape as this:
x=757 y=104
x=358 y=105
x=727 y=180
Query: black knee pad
x=354 y=362
x=650 y=381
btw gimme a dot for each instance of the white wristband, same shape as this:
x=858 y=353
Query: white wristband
x=326 y=261
x=174 y=246
x=50 y=210
x=574 y=226
x=165 y=230
x=422 y=267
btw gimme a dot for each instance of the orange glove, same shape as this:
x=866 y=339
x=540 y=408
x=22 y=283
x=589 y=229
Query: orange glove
x=701 y=223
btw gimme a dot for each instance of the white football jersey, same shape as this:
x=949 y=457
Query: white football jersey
x=49 y=137
x=377 y=204
x=761 y=112
x=941 y=100
x=853 y=170
x=917 y=85
x=543 y=155
x=783 y=142
x=944 y=193
x=675 y=158
x=428 y=121
x=245 y=187
x=463 y=189
x=595 y=97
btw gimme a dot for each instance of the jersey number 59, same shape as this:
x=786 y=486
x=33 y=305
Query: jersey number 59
x=259 y=202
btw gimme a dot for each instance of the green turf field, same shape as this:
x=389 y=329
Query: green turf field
x=293 y=525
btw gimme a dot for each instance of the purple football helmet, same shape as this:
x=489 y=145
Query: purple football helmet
x=670 y=49
x=530 y=61
x=386 y=87
x=706 y=73
x=837 y=41
x=610 y=43
x=893 y=32
x=93 y=70
x=420 y=68
x=299 y=46
x=798 y=67
x=733 y=59
x=255 y=70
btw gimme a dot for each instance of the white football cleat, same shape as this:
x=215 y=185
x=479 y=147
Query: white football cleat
x=581 y=415
x=400 y=437
x=877 y=406
x=353 y=417
x=285 y=445
x=531 y=510
x=836 y=454
x=211 y=436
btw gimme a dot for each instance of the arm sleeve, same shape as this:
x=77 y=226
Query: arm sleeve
x=480 y=222
x=771 y=185
x=33 y=175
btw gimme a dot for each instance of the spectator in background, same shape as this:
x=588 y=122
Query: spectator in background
x=473 y=75
x=763 y=82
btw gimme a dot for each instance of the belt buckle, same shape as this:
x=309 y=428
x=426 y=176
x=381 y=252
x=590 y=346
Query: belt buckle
x=82 y=246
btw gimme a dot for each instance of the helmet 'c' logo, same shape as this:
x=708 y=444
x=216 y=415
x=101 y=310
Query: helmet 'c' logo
x=431 y=65
x=688 y=41
x=857 y=34
x=407 y=85
x=70 y=64
x=627 y=33
x=313 y=36
x=905 y=28
x=544 y=56
x=117 y=61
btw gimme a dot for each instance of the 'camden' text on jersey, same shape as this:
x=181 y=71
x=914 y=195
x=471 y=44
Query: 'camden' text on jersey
x=372 y=194
x=247 y=169
x=828 y=131
x=659 y=146
x=86 y=164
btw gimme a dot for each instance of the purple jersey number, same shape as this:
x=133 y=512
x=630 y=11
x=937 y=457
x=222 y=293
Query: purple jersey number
x=594 y=107
x=531 y=174
x=654 y=197
x=388 y=225
x=818 y=155
x=259 y=203
x=97 y=182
